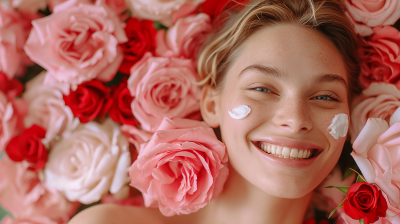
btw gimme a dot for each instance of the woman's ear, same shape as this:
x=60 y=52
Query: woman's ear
x=209 y=106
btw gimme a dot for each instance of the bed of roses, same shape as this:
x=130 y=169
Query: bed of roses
x=113 y=114
x=110 y=109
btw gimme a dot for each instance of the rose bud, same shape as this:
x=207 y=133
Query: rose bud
x=365 y=201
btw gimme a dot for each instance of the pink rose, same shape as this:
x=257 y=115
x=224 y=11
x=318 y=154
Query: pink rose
x=28 y=220
x=371 y=13
x=91 y=161
x=185 y=37
x=380 y=100
x=12 y=40
x=8 y=121
x=158 y=10
x=47 y=109
x=380 y=57
x=376 y=153
x=77 y=43
x=118 y=6
x=135 y=135
x=162 y=87
x=181 y=168
x=22 y=194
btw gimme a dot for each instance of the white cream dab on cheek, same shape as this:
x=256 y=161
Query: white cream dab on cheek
x=339 y=126
x=239 y=112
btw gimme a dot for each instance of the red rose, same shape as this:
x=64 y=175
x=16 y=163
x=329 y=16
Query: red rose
x=89 y=100
x=141 y=35
x=365 y=201
x=121 y=111
x=28 y=146
x=214 y=8
x=11 y=87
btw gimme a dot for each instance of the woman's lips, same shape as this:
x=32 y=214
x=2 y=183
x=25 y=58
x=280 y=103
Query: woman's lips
x=287 y=162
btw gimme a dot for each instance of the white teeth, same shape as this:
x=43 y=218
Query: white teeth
x=300 y=156
x=285 y=152
x=273 y=149
x=278 y=150
x=294 y=153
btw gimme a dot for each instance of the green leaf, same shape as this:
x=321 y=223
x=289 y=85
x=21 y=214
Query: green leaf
x=334 y=210
x=359 y=175
x=361 y=221
x=159 y=26
x=341 y=189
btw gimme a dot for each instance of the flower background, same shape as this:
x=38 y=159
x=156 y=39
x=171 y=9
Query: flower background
x=98 y=105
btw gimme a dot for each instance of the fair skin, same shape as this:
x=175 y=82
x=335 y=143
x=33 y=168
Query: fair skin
x=293 y=103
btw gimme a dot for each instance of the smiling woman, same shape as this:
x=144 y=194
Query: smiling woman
x=293 y=64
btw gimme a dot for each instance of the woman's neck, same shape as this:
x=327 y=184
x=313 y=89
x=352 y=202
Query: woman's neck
x=242 y=202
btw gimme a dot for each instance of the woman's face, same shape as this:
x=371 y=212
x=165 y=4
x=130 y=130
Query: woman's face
x=294 y=80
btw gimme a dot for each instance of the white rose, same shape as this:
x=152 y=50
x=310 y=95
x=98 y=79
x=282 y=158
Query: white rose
x=93 y=160
x=158 y=10
x=47 y=109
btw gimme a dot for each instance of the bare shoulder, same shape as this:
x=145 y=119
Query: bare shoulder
x=115 y=214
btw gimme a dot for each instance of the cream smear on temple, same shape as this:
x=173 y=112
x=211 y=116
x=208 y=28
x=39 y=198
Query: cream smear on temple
x=239 y=112
x=339 y=126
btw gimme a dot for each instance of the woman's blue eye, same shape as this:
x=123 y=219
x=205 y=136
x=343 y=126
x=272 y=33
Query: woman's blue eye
x=261 y=89
x=325 y=98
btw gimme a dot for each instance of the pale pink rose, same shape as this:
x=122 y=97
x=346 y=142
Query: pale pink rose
x=380 y=100
x=327 y=199
x=345 y=219
x=376 y=152
x=372 y=13
x=28 y=220
x=23 y=195
x=47 y=109
x=181 y=168
x=162 y=87
x=380 y=57
x=77 y=43
x=93 y=160
x=158 y=10
x=8 y=121
x=12 y=40
x=185 y=37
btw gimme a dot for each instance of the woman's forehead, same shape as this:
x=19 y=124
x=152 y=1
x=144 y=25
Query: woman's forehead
x=290 y=49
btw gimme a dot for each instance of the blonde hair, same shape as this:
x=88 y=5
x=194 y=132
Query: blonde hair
x=326 y=16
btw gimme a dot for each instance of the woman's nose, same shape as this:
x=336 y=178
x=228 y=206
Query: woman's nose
x=292 y=115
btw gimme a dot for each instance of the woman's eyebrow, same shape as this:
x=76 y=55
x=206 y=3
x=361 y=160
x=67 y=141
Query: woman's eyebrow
x=330 y=78
x=277 y=73
x=263 y=69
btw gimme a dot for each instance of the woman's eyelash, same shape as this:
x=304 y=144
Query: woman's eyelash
x=325 y=97
x=321 y=97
